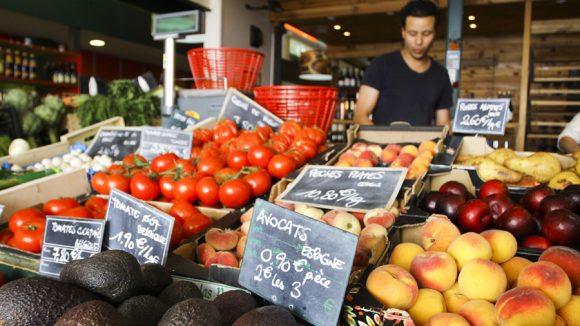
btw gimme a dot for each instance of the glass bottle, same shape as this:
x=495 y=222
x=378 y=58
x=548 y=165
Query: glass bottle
x=24 y=67
x=1 y=61
x=32 y=67
x=17 y=64
x=73 y=73
x=8 y=62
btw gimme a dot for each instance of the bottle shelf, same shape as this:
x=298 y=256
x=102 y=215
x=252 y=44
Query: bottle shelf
x=36 y=82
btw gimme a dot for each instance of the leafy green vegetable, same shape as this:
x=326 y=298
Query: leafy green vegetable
x=4 y=145
x=123 y=88
x=20 y=99
x=10 y=179
x=51 y=112
x=31 y=127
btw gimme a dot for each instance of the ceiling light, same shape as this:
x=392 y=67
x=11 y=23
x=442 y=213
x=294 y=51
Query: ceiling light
x=471 y=17
x=473 y=26
x=337 y=27
x=97 y=43
x=347 y=34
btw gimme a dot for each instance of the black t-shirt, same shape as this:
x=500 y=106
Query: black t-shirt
x=406 y=95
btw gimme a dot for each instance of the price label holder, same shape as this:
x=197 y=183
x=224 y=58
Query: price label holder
x=481 y=116
x=297 y=262
x=67 y=239
x=115 y=142
x=155 y=141
x=180 y=120
x=137 y=228
x=351 y=188
x=246 y=113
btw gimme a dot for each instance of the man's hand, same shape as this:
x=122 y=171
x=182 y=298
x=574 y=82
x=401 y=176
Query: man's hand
x=367 y=99
x=442 y=118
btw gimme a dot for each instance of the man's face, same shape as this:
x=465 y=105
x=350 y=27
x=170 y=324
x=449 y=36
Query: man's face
x=418 y=35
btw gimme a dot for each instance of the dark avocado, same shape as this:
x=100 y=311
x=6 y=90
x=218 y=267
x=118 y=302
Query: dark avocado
x=266 y=316
x=142 y=310
x=91 y=313
x=179 y=291
x=233 y=304
x=154 y=278
x=192 y=312
x=113 y=274
x=37 y=301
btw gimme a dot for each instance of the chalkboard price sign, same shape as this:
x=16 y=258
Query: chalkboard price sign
x=297 y=262
x=352 y=188
x=67 y=239
x=115 y=142
x=179 y=120
x=481 y=116
x=155 y=141
x=246 y=113
x=137 y=228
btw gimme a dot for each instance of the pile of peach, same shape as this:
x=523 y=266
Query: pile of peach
x=471 y=278
x=416 y=159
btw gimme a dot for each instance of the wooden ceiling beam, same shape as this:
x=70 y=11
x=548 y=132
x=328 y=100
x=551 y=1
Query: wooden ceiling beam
x=314 y=9
x=556 y=26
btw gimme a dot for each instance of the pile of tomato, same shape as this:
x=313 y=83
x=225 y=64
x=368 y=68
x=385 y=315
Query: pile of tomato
x=228 y=167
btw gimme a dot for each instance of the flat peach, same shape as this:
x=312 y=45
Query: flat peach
x=203 y=252
x=225 y=258
x=222 y=239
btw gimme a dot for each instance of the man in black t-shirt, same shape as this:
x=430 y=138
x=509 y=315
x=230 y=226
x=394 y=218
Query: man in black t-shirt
x=407 y=85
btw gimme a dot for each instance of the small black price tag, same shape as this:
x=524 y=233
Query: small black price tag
x=155 y=141
x=115 y=142
x=246 y=113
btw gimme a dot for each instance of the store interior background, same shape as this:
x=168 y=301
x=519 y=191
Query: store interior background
x=491 y=58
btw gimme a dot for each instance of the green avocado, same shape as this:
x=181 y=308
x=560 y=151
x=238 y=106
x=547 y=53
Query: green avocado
x=154 y=278
x=113 y=274
x=266 y=316
x=179 y=291
x=91 y=313
x=37 y=301
x=192 y=312
x=142 y=310
x=233 y=304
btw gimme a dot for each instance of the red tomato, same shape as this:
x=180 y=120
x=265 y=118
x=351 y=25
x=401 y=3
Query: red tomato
x=247 y=140
x=260 y=182
x=115 y=168
x=29 y=236
x=306 y=147
x=260 y=156
x=281 y=165
x=224 y=174
x=234 y=193
x=195 y=152
x=81 y=212
x=22 y=216
x=264 y=132
x=224 y=130
x=100 y=183
x=176 y=235
x=195 y=223
x=182 y=210
x=297 y=156
x=5 y=236
x=167 y=186
x=207 y=190
x=163 y=162
x=278 y=146
x=119 y=181
x=237 y=159
x=55 y=206
x=185 y=189
x=134 y=159
x=97 y=205
x=185 y=166
x=290 y=128
x=201 y=136
x=143 y=187
x=210 y=165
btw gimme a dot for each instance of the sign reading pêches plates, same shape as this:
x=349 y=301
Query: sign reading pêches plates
x=473 y=116
x=246 y=113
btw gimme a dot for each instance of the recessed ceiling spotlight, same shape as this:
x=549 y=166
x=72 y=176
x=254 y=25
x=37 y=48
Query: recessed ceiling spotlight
x=337 y=27
x=347 y=34
x=97 y=42
x=471 y=17
x=473 y=26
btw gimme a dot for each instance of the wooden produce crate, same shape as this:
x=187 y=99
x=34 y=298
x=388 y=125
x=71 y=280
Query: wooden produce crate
x=86 y=134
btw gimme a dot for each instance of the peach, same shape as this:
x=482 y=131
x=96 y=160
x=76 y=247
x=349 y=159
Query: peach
x=469 y=246
x=428 y=146
x=479 y=313
x=435 y=270
x=525 y=306
x=560 y=321
x=376 y=149
x=284 y=205
x=550 y=279
x=247 y=216
x=346 y=222
x=454 y=299
x=343 y=163
x=307 y=210
x=513 y=267
x=241 y=246
x=406 y=157
x=398 y=163
x=388 y=155
x=447 y=319
x=393 y=286
x=567 y=258
x=421 y=161
x=203 y=252
x=225 y=258
x=329 y=216
x=394 y=147
x=426 y=154
x=571 y=311
x=221 y=239
x=437 y=234
x=373 y=235
x=347 y=157
x=410 y=149
x=245 y=228
x=380 y=216
x=503 y=245
x=429 y=303
x=361 y=162
x=369 y=155
x=482 y=279
x=403 y=254
x=360 y=146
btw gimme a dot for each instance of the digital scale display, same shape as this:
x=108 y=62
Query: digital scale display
x=185 y=22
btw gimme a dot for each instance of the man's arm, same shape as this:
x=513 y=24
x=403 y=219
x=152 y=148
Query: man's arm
x=568 y=145
x=367 y=99
x=442 y=118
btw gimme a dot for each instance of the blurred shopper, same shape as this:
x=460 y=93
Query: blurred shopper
x=569 y=139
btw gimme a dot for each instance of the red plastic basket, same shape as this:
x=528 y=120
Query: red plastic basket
x=311 y=105
x=225 y=67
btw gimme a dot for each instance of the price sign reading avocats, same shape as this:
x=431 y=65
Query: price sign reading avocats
x=246 y=113
x=474 y=116
x=297 y=262
x=67 y=239
x=351 y=188
x=137 y=228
